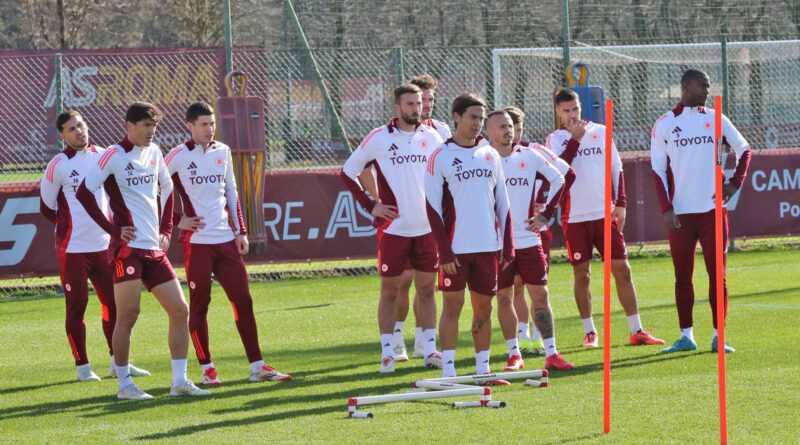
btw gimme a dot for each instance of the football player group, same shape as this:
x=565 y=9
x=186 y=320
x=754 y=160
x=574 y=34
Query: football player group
x=469 y=209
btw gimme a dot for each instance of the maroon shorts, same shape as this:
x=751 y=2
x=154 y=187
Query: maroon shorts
x=397 y=253
x=478 y=270
x=529 y=264
x=150 y=266
x=582 y=236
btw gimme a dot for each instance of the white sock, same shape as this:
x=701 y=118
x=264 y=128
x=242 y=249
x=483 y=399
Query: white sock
x=206 y=366
x=123 y=376
x=482 y=362
x=513 y=347
x=386 y=346
x=449 y=363
x=588 y=325
x=88 y=367
x=419 y=342
x=550 y=346
x=397 y=335
x=523 y=331
x=688 y=333
x=256 y=366
x=429 y=341
x=536 y=334
x=634 y=323
x=715 y=334
x=178 y=371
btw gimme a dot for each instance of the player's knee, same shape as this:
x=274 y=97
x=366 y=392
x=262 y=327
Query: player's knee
x=505 y=298
x=179 y=312
x=199 y=311
x=127 y=318
x=390 y=287
x=406 y=280
x=482 y=309
x=622 y=270
x=539 y=296
x=245 y=306
x=76 y=312
x=582 y=276
x=425 y=292
x=452 y=309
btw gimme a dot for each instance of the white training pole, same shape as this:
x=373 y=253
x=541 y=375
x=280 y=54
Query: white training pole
x=477 y=379
x=433 y=384
x=459 y=386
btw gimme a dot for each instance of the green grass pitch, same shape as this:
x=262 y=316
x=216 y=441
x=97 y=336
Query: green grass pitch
x=324 y=332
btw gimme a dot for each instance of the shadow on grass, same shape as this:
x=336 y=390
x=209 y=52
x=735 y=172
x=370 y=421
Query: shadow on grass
x=626 y=363
x=7 y=391
x=238 y=422
x=298 y=308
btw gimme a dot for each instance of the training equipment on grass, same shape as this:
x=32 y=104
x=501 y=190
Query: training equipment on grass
x=445 y=387
x=718 y=248
x=241 y=127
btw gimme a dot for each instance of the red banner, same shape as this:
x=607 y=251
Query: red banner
x=101 y=85
x=311 y=216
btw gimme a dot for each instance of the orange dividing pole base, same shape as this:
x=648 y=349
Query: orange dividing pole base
x=607 y=271
x=719 y=250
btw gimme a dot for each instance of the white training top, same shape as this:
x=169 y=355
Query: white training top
x=468 y=205
x=682 y=153
x=134 y=177
x=441 y=127
x=585 y=201
x=76 y=231
x=399 y=159
x=205 y=183
x=521 y=168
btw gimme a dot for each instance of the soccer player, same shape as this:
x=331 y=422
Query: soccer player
x=136 y=180
x=535 y=344
x=81 y=245
x=522 y=166
x=428 y=85
x=581 y=144
x=399 y=154
x=469 y=214
x=682 y=156
x=213 y=240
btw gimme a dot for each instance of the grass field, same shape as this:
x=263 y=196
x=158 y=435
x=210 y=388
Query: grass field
x=324 y=332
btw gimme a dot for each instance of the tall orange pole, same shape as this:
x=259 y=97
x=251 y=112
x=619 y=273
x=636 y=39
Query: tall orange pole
x=718 y=248
x=607 y=271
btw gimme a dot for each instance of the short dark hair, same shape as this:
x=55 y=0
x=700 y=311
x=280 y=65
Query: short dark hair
x=64 y=117
x=405 y=88
x=692 y=74
x=466 y=100
x=139 y=111
x=565 y=95
x=516 y=114
x=497 y=113
x=424 y=82
x=198 y=109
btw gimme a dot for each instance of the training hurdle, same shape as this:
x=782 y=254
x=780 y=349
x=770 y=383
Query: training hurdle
x=446 y=387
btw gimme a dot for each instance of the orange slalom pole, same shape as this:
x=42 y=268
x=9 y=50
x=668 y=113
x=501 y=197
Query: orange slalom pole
x=718 y=248
x=607 y=271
